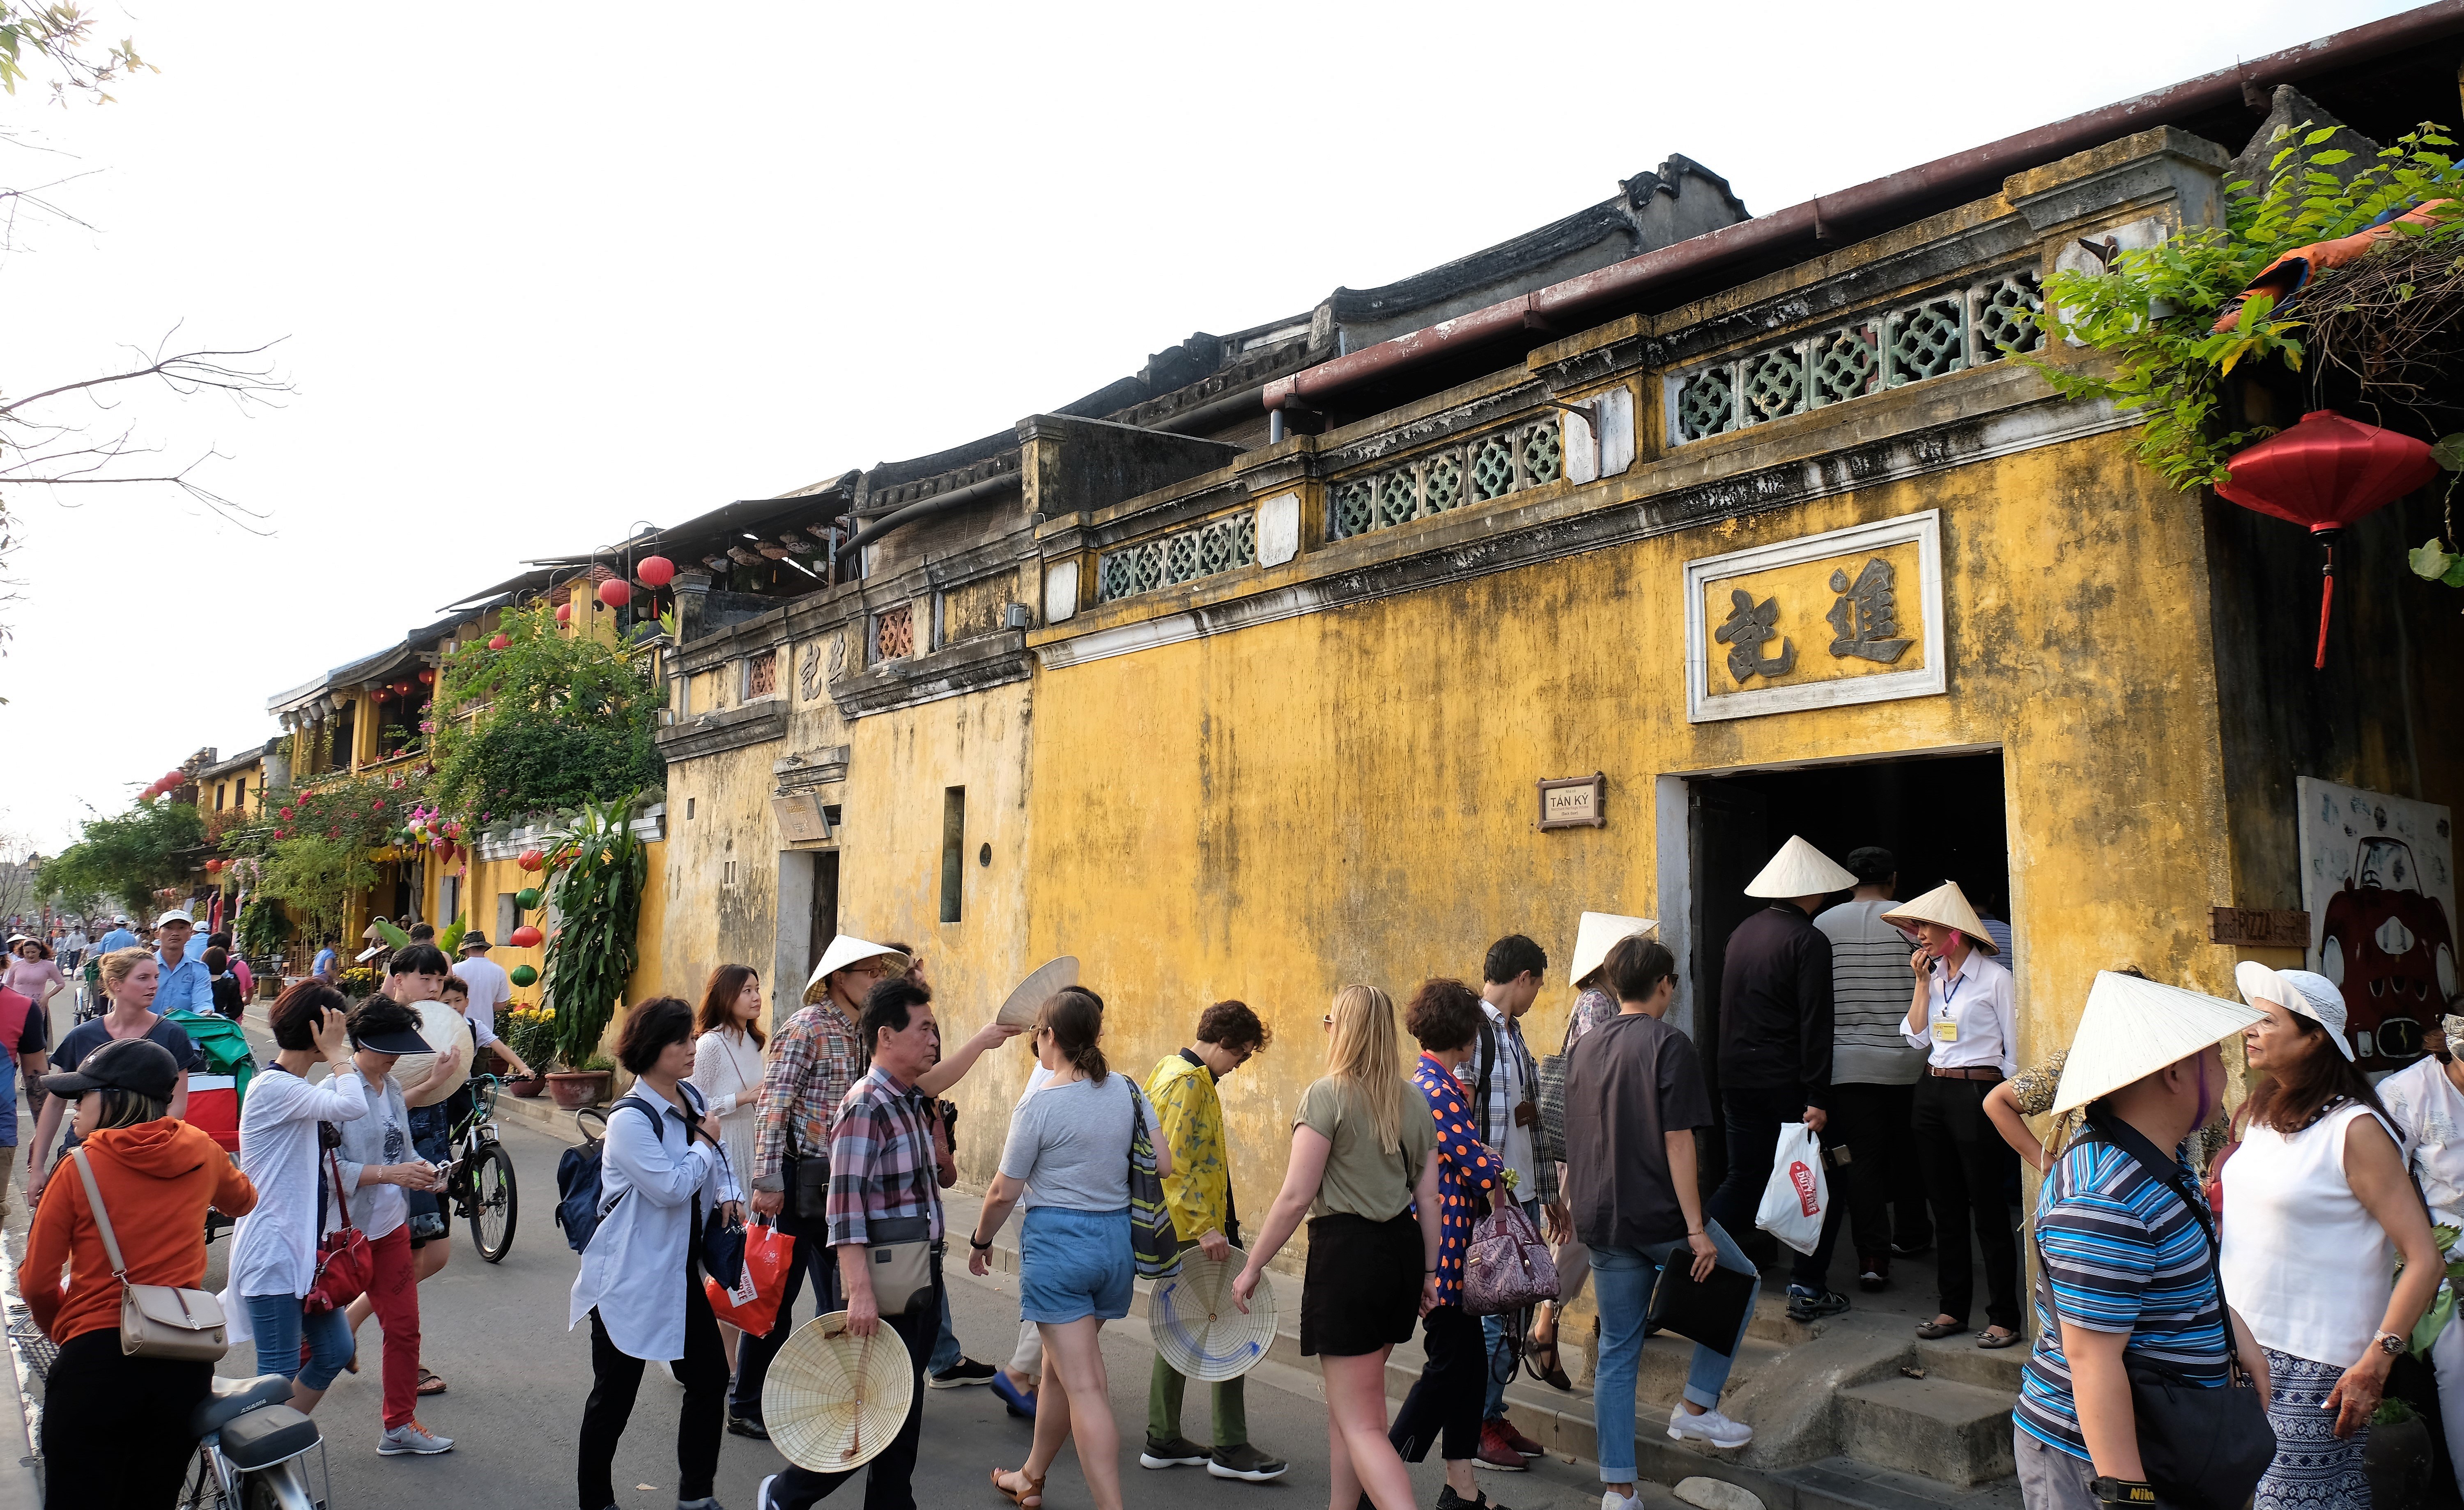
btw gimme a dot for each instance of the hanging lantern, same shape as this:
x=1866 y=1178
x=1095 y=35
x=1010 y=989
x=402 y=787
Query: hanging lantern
x=616 y=592
x=427 y=676
x=525 y=938
x=656 y=571
x=172 y=779
x=502 y=641
x=2324 y=473
x=564 y=613
x=527 y=898
x=521 y=974
x=212 y=865
x=530 y=860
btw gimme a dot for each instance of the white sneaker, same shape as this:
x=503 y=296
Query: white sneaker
x=1611 y=1499
x=412 y=1438
x=761 y=1496
x=1710 y=1427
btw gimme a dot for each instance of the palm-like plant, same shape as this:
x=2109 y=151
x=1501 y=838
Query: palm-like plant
x=597 y=902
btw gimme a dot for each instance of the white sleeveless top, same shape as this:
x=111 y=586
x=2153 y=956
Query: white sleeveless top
x=2304 y=1263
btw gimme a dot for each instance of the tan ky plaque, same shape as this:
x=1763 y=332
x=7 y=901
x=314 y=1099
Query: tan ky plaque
x=1575 y=801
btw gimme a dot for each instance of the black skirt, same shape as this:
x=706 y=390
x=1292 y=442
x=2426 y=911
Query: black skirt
x=1362 y=1291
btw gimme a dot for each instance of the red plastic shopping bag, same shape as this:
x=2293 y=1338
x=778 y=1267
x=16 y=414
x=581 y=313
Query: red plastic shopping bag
x=754 y=1303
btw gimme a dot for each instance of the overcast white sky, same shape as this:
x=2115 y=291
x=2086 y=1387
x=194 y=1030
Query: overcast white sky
x=545 y=271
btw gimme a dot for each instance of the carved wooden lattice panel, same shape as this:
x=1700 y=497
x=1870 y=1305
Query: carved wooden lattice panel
x=894 y=632
x=762 y=676
x=1218 y=545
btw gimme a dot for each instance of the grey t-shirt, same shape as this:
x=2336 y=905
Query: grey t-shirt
x=1071 y=1144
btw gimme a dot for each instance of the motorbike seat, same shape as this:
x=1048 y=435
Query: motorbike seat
x=234 y=1397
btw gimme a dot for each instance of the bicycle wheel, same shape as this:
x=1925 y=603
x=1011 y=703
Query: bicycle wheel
x=492 y=1202
x=199 y=1491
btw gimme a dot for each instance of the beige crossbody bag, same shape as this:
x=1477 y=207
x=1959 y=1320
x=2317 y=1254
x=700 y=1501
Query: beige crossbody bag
x=156 y=1321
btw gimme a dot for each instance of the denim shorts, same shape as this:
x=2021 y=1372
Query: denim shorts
x=1074 y=1263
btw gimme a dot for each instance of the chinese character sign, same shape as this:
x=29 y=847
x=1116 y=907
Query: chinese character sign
x=1838 y=618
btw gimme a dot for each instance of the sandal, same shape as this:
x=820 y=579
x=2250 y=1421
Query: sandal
x=1030 y=1497
x=1987 y=1339
x=1541 y=1358
x=1931 y=1332
x=431 y=1383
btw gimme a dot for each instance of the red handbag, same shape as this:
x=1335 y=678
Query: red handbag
x=345 y=1263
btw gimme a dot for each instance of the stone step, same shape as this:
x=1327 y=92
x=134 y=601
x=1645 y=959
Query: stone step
x=1961 y=1361
x=1959 y=1434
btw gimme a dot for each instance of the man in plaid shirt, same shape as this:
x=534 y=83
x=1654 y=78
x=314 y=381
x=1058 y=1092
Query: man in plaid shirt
x=880 y=1170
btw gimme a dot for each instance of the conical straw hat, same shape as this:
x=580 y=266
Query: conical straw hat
x=1032 y=993
x=1800 y=870
x=1197 y=1328
x=843 y=951
x=443 y=1028
x=835 y=1400
x=1598 y=933
x=2132 y=1028
x=1947 y=906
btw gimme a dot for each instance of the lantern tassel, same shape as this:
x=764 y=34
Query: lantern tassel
x=2326 y=596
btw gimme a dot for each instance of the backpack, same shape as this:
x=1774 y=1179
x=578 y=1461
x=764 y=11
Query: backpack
x=578 y=1194
x=1153 y=1241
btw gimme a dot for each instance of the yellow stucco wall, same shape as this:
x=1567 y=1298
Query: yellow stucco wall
x=1347 y=794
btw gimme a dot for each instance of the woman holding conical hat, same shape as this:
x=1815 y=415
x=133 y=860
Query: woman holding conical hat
x=2122 y=1229
x=1964 y=1017
x=2319 y=1196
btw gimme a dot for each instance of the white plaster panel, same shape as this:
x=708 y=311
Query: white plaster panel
x=1279 y=528
x=1060 y=591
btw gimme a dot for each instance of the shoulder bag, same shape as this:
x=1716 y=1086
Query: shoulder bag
x=2202 y=1448
x=1155 y=1242
x=1507 y=1268
x=901 y=1249
x=1549 y=1138
x=156 y=1321
x=345 y=1263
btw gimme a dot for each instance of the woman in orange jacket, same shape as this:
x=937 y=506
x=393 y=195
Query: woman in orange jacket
x=156 y=1177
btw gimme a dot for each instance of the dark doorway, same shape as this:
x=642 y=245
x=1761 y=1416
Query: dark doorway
x=825 y=911
x=1941 y=816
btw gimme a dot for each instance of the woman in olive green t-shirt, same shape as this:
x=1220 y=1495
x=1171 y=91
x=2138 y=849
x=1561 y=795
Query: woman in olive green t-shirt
x=1364 y=1167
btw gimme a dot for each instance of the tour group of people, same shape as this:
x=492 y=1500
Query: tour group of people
x=1887 y=1028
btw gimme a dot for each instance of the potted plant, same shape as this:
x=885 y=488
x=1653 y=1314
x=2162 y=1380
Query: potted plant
x=587 y=1087
x=598 y=867
x=530 y=1029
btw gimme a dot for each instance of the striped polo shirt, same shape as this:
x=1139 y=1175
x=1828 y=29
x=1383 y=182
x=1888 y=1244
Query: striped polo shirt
x=1870 y=987
x=2124 y=1254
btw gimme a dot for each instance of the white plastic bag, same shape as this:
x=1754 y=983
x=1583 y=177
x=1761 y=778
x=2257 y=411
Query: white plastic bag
x=1796 y=1196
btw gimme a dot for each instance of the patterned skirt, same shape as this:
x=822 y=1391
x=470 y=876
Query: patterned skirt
x=2314 y=1469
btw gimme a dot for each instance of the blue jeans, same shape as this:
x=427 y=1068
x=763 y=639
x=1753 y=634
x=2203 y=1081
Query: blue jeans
x=1622 y=1282
x=1501 y=1353
x=945 y=1348
x=279 y=1322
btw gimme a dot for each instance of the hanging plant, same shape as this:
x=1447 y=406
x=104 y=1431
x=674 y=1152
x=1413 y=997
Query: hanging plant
x=598 y=899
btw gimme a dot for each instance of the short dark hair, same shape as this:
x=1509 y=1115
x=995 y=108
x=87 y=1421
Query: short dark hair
x=423 y=932
x=1443 y=1015
x=216 y=960
x=890 y=1004
x=1872 y=865
x=1511 y=956
x=649 y=1028
x=1232 y=1025
x=1635 y=967
x=454 y=982
x=293 y=1013
x=381 y=1015
x=420 y=959
x=219 y=940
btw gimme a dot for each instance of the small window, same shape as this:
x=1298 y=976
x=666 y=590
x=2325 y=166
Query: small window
x=689 y=809
x=508 y=916
x=762 y=676
x=219 y=789
x=239 y=792
x=894 y=633
x=727 y=874
x=954 y=844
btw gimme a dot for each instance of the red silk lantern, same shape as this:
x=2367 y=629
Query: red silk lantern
x=2324 y=473
x=564 y=613
x=172 y=779
x=656 y=571
x=502 y=641
x=523 y=937
x=616 y=592
x=530 y=860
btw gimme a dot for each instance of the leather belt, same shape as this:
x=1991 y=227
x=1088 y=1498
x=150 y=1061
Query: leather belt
x=1966 y=1072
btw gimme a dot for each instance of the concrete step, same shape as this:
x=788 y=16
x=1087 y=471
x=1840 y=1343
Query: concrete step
x=1959 y=1434
x=1960 y=1359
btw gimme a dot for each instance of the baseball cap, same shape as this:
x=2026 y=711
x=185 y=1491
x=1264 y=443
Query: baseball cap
x=178 y=914
x=132 y=1064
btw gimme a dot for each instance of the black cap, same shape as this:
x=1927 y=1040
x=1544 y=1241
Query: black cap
x=397 y=1041
x=132 y=1064
x=1873 y=864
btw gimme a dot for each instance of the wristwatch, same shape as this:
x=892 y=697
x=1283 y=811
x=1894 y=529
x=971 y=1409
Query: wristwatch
x=2391 y=1344
x=2121 y=1491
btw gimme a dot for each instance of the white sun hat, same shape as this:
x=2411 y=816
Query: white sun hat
x=1598 y=934
x=2315 y=996
x=1800 y=870
x=1027 y=1002
x=2132 y=1028
x=845 y=950
x=1946 y=906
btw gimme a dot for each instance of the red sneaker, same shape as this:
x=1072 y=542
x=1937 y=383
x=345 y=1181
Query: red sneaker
x=1495 y=1452
x=1520 y=1442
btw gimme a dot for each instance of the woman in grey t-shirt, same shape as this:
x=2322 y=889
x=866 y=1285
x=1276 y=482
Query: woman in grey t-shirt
x=1069 y=1153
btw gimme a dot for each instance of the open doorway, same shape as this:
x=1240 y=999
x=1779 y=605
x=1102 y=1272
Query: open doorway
x=1941 y=816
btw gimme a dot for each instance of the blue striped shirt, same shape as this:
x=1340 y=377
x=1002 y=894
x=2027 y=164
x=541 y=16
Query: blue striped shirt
x=2124 y=1254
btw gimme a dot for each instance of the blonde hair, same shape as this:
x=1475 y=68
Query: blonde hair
x=1361 y=1051
x=117 y=964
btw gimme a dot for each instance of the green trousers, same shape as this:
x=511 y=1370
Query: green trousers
x=1163 y=1408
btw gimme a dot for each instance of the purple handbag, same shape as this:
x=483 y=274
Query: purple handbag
x=1507 y=1268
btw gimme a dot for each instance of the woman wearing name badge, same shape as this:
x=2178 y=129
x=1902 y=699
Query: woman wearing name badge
x=1964 y=1015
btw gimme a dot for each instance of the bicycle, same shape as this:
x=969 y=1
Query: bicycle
x=479 y=1182
x=252 y=1450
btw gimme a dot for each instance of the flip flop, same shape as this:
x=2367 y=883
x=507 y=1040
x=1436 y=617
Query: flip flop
x=431 y=1383
x=1030 y=1497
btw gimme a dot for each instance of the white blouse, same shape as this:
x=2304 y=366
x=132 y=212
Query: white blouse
x=2428 y=1113
x=2304 y=1261
x=273 y=1249
x=633 y=1272
x=1972 y=1017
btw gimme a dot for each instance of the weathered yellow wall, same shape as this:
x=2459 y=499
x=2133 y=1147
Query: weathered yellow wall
x=1347 y=794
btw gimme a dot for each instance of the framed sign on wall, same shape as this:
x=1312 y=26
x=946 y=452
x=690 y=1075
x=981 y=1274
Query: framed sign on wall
x=1575 y=801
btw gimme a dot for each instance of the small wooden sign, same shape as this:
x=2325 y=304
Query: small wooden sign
x=2261 y=928
x=1575 y=801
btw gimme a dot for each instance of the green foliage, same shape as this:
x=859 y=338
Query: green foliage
x=561 y=721
x=359 y=982
x=315 y=844
x=598 y=901
x=317 y=877
x=261 y=928
x=128 y=857
x=2437 y=563
x=532 y=1031
x=62 y=36
x=2153 y=308
x=449 y=940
